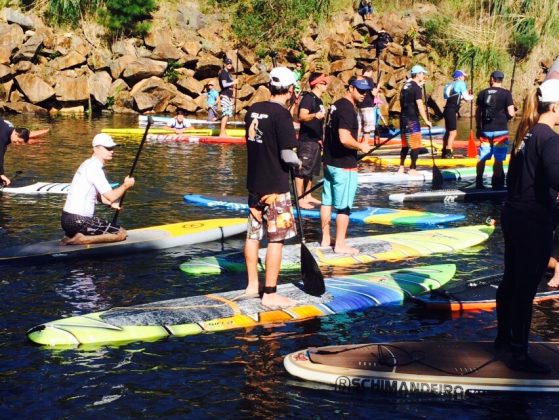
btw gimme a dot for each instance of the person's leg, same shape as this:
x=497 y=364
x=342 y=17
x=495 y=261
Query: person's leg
x=500 y=147
x=270 y=297
x=326 y=208
x=405 y=138
x=345 y=187
x=304 y=202
x=342 y=223
x=414 y=154
x=251 y=260
x=105 y=238
x=485 y=152
x=84 y=230
x=255 y=232
x=223 y=126
x=415 y=144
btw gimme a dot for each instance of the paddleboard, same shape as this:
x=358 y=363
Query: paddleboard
x=450 y=174
x=426 y=161
x=390 y=247
x=231 y=310
x=186 y=138
x=42 y=188
x=138 y=132
x=475 y=295
x=450 y=368
x=162 y=121
x=393 y=131
x=369 y=215
x=450 y=196
x=139 y=240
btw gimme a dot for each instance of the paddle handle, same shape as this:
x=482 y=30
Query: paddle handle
x=139 y=151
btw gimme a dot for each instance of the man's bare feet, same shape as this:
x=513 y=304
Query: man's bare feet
x=344 y=249
x=413 y=172
x=306 y=205
x=311 y=199
x=326 y=242
x=276 y=301
x=401 y=170
x=73 y=240
x=554 y=282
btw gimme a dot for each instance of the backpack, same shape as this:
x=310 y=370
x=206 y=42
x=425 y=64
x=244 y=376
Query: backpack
x=489 y=105
x=448 y=90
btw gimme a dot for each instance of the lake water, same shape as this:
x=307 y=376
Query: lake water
x=236 y=373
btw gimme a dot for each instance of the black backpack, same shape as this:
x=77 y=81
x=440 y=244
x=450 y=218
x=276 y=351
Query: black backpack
x=489 y=105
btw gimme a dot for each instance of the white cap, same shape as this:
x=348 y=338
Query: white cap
x=281 y=77
x=104 y=140
x=549 y=91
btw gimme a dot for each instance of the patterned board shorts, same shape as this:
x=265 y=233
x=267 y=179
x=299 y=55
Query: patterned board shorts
x=271 y=214
x=493 y=144
x=226 y=106
x=309 y=153
x=90 y=226
x=411 y=135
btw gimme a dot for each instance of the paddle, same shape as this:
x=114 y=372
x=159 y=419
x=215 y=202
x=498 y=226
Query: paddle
x=236 y=87
x=150 y=122
x=321 y=183
x=313 y=280
x=472 y=149
x=437 y=174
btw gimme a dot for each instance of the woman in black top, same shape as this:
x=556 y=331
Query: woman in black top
x=528 y=221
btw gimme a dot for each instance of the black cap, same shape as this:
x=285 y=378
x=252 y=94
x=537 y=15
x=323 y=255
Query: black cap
x=228 y=61
x=498 y=74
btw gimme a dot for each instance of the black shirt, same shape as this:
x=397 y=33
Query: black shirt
x=369 y=100
x=409 y=95
x=311 y=130
x=533 y=177
x=6 y=131
x=225 y=78
x=503 y=99
x=342 y=115
x=269 y=131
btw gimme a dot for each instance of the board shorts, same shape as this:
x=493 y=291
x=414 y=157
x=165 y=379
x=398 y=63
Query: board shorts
x=309 y=153
x=89 y=226
x=271 y=214
x=366 y=118
x=410 y=134
x=226 y=106
x=450 y=119
x=493 y=144
x=340 y=186
x=212 y=113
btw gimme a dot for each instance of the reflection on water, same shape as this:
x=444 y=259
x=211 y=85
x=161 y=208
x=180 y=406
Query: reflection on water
x=234 y=373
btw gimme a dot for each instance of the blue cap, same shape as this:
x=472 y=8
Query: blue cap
x=361 y=84
x=418 y=69
x=458 y=73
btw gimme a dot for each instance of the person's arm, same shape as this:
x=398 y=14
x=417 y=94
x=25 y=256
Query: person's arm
x=3 y=147
x=351 y=143
x=290 y=158
x=113 y=195
x=305 y=115
x=511 y=111
x=423 y=111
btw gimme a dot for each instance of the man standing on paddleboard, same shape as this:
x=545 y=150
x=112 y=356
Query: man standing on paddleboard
x=340 y=163
x=271 y=139
x=9 y=135
x=227 y=95
x=89 y=186
x=454 y=93
x=412 y=107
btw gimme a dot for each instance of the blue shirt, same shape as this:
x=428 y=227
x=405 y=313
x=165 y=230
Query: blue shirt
x=212 y=97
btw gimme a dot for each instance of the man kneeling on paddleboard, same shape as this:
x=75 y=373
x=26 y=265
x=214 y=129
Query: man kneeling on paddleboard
x=89 y=186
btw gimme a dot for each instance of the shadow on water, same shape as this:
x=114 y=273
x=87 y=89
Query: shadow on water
x=235 y=373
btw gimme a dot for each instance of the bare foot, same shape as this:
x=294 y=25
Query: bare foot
x=306 y=206
x=413 y=172
x=554 y=282
x=73 y=240
x=276 y=301
x=401 y=170
x=311 y=199
x=344 y=249
x=326 y=242
x=65 y=240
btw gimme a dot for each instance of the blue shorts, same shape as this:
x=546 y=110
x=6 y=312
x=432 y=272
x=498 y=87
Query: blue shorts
x=493 y=143
x=340 y=186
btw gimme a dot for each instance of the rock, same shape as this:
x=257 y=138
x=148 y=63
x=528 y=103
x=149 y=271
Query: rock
x=118 y=86
x=79 y=109
x=245 y=91
x=189 y=16
x=71 y=42
x=341 y=65
x=166 y=51
x=48 y=36
x=154 y=38
x=5 y=90
x=15 y=16
x=34 y=87
x=5 y=54
x=184 y=102
x=395 y=49
x=70 y=87
x=117 y=66
x=99 y=59
x=6 y=73
x=11 y=36
x=25 y=108
x=16 y=96
x=124 y=47
x=143 y=68
x=99 y=85
x=336 y=50
x=191 y=47
x=123 y=100
x=22 y=66
x=28 y=51
x=309 y=46
x=260 y=79
x=191 y=85
x=73 y=59
x=152 y=94
x=261 y=94
x=207 y=66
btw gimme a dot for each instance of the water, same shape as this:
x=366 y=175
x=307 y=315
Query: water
x=236 y=373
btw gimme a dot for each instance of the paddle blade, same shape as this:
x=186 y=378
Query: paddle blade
x=437 y=178
x=472 y=149
x=313 y=280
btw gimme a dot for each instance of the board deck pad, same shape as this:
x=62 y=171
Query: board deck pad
x=229 y=310
x=393 y=247
x=449 y=174
x=460 y=296
x=377 y=215
x=452 y=368
x=427 y=161
x=450 y=195
x=138 y=240
x=193 y=138
x=137 y=131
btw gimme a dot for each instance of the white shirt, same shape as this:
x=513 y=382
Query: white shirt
x=88 y=181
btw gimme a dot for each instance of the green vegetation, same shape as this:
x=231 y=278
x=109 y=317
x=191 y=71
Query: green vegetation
x=171 y=75
x=127 y=17
x=70 y=12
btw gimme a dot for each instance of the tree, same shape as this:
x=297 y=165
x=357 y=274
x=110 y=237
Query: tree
x=127 y=17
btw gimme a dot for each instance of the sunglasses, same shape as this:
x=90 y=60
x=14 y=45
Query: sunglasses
x=361 y=91
x=110 y=149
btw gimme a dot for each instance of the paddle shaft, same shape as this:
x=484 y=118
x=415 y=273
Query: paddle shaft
x=319 y=184
x=472 y=89
x=236 y=87
x=144 y=137
x=437 y=175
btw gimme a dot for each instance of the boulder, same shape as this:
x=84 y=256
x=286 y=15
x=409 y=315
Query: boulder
x=15 y=16
x=124 y=47
x=143 y=68
x=155 y=38
x=166 y=51
x=71 y=42
x=184 y=102
x=34 y=87
x=99 y=59
x=70 y=87
x=192 y=86
x=207 y=66
x=336 y=50
x=99 y=85
x=152 y=94
x=5 y=90
x=48 y=36
x=117 y=66
x=73 y=59
x=341 y=65
x=22 y=67
x=11 y=36
x=29 y=49
x=261 y=94
x=78 y=109
x=118 y=86
x=6 y=73
x=5 y=54
x=191 y=47
x=259 y=79
x=25 y=108
x=309 y=46
x=245 y=91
